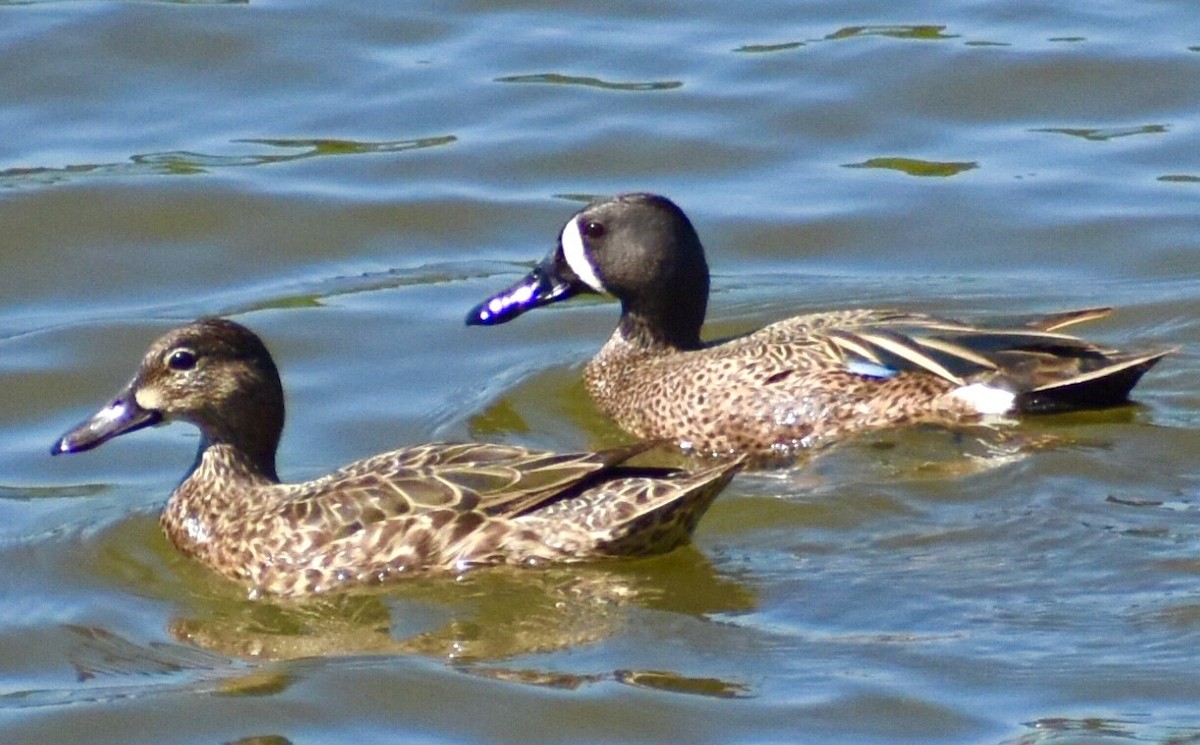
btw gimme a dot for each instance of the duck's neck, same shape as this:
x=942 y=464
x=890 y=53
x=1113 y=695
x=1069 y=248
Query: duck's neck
x=238 y=441
x=223 y=462
x=208 y=507
x=670 y=318
x=673 y=328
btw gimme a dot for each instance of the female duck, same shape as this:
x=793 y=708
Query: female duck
x=799 y=381
x=437 y=506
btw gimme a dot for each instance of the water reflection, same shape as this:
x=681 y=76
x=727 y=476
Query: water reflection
x=920 y=32
x=261 y=740
x=765 y=48
x=479 y=624
x=312 y=292
x=536 y=401
x=557 y=79
x=104 y=662
x=1102 y=134
x=672 y=683
x=1101 y=729
x=187 y=163
x=916 y=167
x=31 y=493
x=480 y=617
x=99 y=653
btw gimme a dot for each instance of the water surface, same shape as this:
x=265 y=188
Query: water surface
x=349 y=178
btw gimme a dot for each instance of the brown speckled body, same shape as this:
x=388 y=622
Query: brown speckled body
x=804 y=380
x=755 y=395
x=433 y=507
x=436 y=507
x=787 y=386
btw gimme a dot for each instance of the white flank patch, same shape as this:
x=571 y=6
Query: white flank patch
x=576 y=255
x=986 y=399
x=196 y=530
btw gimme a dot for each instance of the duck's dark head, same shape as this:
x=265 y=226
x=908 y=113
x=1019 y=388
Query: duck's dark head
x=213 y=373
x=639 y=248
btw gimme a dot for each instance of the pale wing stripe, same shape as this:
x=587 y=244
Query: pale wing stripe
x=1022 y=333
x=912 y=355
x=1072 y=318
x=851 y=344
x=930 y=325
x=955 y=350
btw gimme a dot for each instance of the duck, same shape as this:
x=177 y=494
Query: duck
x=424 y=508
x=803 y=381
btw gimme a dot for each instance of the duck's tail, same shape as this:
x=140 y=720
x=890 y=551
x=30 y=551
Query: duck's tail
x=634 y=511
x=1009 y=365
x=1107 y=385
x=653 y=514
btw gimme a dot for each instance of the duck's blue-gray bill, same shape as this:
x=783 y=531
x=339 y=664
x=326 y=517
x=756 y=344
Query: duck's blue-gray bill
x=538 y=287
x=119 y=417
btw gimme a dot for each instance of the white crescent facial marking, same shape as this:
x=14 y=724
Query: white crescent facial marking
x=576 y=255
x=986 y=399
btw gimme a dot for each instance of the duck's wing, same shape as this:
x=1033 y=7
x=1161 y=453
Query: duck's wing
x=1047 y=369
x=953 y=353
x=497 y=480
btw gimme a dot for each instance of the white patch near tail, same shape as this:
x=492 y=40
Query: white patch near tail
x=576 y=256
x=986 y=399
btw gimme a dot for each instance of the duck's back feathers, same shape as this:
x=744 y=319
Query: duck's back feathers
x=498 y=480
x=819 y=377
x=1044 y=369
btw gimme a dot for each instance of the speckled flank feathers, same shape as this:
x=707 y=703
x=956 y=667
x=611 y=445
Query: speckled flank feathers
x=429 y=507
x=804 y=380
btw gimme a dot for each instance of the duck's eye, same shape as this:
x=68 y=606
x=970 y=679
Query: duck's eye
x=593 y=229
x=182 y=359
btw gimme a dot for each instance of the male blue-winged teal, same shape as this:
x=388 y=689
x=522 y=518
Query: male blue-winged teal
x=437 y=506
x=800 y=381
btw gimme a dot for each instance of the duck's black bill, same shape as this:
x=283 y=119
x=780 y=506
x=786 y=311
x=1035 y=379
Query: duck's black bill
x=119 y=417
x=542 y=286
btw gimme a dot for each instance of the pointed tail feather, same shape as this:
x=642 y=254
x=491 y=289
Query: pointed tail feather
x=1106 y=386
x=665 y=514
x=1056 y=321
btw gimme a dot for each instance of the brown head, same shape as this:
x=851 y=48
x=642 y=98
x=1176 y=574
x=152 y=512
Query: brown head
x=213 y=373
